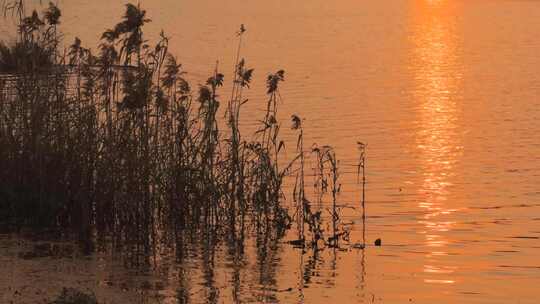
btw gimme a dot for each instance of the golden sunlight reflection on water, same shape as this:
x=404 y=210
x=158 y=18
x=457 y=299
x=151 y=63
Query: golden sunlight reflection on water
x=438 y=142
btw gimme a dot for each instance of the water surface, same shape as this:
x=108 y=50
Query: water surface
x=445 y=93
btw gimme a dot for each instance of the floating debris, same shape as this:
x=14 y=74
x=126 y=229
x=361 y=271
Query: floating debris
x=359 y=246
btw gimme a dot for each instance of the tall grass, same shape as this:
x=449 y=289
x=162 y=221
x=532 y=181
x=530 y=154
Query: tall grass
x=117 y=145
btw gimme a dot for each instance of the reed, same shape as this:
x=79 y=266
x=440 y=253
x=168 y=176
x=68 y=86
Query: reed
x=361 y=177
x=116 y=146
x=299 y=193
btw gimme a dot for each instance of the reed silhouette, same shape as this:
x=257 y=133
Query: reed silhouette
x=116 y=145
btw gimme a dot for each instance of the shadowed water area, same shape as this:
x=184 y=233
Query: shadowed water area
x=446 y=94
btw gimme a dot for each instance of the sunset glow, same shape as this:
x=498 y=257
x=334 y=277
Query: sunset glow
x=182 y=151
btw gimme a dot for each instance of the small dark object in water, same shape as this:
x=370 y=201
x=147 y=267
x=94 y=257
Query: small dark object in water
x=359 y=246
x=378 y=242
x=298 y=243
x=74 y=296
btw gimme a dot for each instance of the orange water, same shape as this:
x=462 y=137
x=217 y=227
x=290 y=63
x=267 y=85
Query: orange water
x=447 y=96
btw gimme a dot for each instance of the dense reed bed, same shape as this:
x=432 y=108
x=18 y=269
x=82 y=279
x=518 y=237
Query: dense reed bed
x=117 y=145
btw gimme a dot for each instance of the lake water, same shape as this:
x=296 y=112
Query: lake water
x=445 y=93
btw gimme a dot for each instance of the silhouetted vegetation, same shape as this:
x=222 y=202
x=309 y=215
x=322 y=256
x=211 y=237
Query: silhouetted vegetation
x=116 y=144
